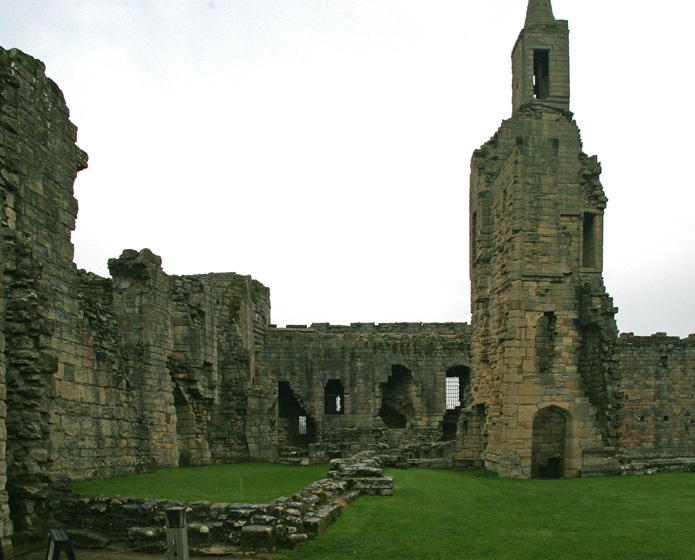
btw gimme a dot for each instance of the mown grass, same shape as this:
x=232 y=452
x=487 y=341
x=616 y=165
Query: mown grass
x=245 y=482
x=456 y=515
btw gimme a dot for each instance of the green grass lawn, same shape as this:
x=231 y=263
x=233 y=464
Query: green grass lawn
x=457 y=515
x=245 y=482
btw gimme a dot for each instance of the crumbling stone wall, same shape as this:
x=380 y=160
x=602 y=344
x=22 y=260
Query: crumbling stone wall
x=658 y=382
x=238 y=427
x=144 y=309
x=104 y=376
x=5 y=521
x=283 y=523
x=364 y=360
x=39 y=162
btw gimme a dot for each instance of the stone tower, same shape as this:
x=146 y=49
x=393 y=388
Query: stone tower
x=543 y=325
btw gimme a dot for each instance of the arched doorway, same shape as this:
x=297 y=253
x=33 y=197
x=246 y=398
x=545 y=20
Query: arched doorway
x=550 y=446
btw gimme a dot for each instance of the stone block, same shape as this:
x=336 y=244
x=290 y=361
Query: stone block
x=258 y=538
x=319 y=521
x=373 y=486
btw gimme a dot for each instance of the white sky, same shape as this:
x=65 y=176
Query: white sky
x=323 y=146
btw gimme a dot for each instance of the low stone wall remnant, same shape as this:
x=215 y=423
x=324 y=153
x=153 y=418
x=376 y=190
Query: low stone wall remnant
x=101 y=521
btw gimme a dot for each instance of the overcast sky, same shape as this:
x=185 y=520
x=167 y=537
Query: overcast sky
x=323 y=146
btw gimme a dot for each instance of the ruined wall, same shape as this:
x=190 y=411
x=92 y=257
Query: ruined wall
x=389 y=379
x=104 y=376
x=5 y=522
x=658 y=382
x=143 y=307
x=238 y=427
x=39 y=162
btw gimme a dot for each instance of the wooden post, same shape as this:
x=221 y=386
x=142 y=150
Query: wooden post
x=58 y=542
x=177 y=534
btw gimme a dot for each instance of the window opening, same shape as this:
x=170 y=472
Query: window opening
x=399 y=399
x=456 y=392
x=589 y=241
x=334 y=397
x=545 y=342
x=474 y=232
x=556 y=147
x=541 y=73
x=294 y=422
x=453 y=398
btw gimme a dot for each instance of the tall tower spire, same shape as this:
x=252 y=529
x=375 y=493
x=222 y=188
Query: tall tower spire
x=539 y=12
x=540 y=60
x=543 y=326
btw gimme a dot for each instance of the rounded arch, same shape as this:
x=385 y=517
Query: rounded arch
x=550 y=449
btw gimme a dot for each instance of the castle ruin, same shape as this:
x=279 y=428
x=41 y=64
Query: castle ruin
x=110 y=376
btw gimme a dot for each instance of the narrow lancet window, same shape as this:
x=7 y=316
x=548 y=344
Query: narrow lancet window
x=589 y=241
x=334 y=397
x=541 y=74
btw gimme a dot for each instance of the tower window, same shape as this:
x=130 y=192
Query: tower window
x=458 y=380
x=474 y=234
x=589 y=241
x=545 y=342
x=541 y=73
x=453 y=399
x=334 y=397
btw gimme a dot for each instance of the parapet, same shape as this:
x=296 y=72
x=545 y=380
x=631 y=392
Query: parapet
x=381 y=328
x=629 y=338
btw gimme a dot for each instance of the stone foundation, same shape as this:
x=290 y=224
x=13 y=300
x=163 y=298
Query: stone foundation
x=102 y=521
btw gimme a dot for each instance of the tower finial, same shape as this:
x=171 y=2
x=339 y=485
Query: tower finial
x=539 y=12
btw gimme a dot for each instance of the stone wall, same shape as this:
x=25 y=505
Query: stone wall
x=658 y=381
x=39 y=162
x=98 y=521
x=103 y=376
x=5 y=521
x=363 y=384
x=243 y=314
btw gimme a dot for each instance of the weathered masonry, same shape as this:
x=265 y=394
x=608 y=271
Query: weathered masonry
x=562 y=394
x=346 y=389
x=543 y=326
x=107 y=376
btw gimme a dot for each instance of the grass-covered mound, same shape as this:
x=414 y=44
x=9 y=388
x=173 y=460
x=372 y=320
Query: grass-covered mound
x=444 y=515
x=245 y=482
